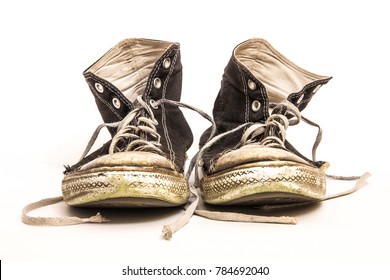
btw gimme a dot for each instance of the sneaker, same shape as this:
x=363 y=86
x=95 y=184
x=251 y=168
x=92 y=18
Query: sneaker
x=143 y=164
x=248 y=159
x=244 y=159
x=137 y=89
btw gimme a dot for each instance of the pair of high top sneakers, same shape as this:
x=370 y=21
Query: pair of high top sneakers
x=244 y=158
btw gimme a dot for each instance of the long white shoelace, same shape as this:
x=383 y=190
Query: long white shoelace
x=275 y=129
x=130 y=136
x=273 y=133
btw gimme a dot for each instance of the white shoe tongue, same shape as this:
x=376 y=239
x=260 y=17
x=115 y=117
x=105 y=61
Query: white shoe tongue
x=129 y=64
x=275 y=72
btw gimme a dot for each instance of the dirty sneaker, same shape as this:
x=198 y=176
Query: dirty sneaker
x=143 y=164
x=137 y=89
x=249 y=160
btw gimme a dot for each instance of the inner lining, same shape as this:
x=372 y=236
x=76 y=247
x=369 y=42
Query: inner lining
x=279 y=76
x=128 y=65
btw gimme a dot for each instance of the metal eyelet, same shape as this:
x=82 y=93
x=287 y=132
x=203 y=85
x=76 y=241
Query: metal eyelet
x=167 y=63
x=316 y=89
x=256 y=105
x=251 y=85
x=300 y=98
x=99 y=87
x=153 y=104
x=116 y=103
x=157 y=83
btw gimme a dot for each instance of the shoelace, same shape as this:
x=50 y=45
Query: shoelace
x=130 y=136
x=253 y=130
x=133 y=136
x=271 y=133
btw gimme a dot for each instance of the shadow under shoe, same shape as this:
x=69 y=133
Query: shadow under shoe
x=249 y=161
x=143 y=164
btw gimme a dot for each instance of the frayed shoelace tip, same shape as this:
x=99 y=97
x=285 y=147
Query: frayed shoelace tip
x=98 y=218
x=167 y=232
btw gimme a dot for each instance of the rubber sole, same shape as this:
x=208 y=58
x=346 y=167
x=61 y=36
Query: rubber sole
x=264 y=183
x=125 y=187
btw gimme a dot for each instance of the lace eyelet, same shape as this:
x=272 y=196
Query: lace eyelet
x=99 y=87
x=153 y=104
x=300 y=98
x=251 y=85
x=157 y=83
x=316 y=89
x=167 y=63
x=116 y=103
x=256 y=105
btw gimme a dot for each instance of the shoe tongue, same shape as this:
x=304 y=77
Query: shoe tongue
x=129 y=64
x=281 y=78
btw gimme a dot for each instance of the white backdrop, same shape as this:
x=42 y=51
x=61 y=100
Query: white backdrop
x=48 y=115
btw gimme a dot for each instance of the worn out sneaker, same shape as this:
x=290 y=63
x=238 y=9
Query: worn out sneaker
x=143 y=163
x=137 y=89
x=249 y=160
x=244 y=157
